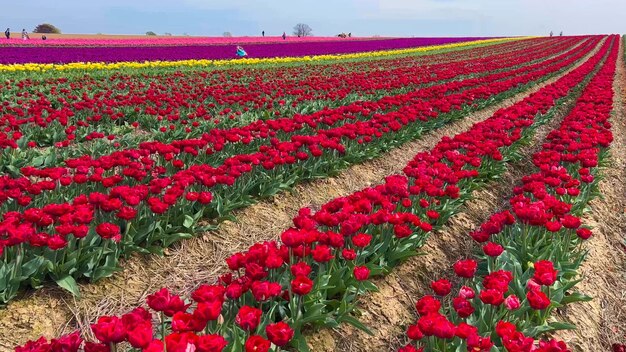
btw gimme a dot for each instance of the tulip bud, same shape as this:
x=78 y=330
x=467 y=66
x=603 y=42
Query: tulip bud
x=512 y=302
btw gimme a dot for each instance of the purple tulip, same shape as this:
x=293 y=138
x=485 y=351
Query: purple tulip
x=48 y=54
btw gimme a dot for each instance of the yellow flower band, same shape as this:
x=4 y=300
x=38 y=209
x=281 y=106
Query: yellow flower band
x=242 y=62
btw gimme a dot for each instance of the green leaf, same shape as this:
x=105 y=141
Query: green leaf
x=369 y=286
x=4 y=277
x=299 y=342
x=188 y=221
x=575 y=297
x=38 y=161
x=330 y=322
x=13 y=170
x=313 y=312
x=169 y=239
x=32 y=266
x=562 y=326
x=535 y=331
x=68 y=283
x=402 y=255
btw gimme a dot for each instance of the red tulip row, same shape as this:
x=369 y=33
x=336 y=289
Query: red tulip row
x=130 y=166
x=85 y=237
x=315 y=274
x=530 y=255
x=177 y=105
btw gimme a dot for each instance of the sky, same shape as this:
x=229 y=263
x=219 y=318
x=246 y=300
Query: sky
x=408 y=18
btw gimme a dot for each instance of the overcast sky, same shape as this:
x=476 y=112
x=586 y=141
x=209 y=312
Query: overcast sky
x=326 y=17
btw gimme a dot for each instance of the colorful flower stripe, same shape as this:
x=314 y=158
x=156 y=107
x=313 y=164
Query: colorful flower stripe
x=187 y=105
x=166 y=95
x=323 y=264
x=259 y=130
x=249 y=138
x=411 y=78
x=530 y=255
x=167 y=41
x=140 y=218
x=194 y=55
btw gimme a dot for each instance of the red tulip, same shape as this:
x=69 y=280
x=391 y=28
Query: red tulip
x=301 y=285
x=427 y=304
x=211 y=343
x=441 y=287
x=140 y=335
x=414 y=332
x=256 y=343
x=248 y=318
x=493 y=249
x=109 y=231
x=545 y=274
x=492 y=297
x=181 y=342
x=465 y=268
x=462 y=307
x=361 y=273
x=537 y=299
x=67 y=343
x=109 y=330
x=279 y=333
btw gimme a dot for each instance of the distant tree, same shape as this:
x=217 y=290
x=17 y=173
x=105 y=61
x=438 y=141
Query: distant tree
x=46 y=28
x=167 y=34
x=185 y=34
x=376 y=36
x=227 y=34
x=150 y=33
x=302 y=30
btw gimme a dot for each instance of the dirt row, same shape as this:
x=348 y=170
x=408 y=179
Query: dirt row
x=51 y=311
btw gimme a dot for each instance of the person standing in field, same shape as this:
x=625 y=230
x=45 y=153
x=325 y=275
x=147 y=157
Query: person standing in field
x=7 y=33
x=24 y=34
x=284 y=36
x=241 y=52
x=263 y=33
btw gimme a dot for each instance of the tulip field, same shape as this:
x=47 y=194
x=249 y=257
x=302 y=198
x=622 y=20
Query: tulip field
x=115 y=154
